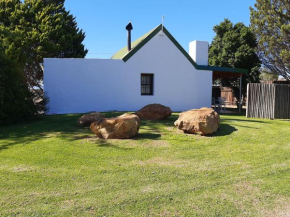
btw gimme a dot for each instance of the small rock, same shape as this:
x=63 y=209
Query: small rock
x=87 y=119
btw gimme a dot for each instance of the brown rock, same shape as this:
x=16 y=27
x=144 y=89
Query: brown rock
x=87 y=119
x=121 y=127
x=201 y=121
x=154 y=112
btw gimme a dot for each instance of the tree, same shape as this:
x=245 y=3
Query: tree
x=34 y=29
x=270 y=22
x=234 y=46
x=15 y=99
x=267 y=76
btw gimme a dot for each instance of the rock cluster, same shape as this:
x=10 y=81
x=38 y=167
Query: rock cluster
x=202 y=121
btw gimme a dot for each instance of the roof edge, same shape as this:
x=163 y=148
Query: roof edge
x=181 y=49
x=220 y=68
x=142 y=43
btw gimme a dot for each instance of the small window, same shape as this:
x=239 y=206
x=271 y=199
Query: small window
x=146 y=84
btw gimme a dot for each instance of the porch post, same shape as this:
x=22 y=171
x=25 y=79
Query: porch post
x=241 y=100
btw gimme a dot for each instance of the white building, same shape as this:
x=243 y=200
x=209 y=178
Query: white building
x=156 y=70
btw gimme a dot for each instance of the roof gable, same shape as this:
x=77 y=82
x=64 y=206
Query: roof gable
x=140 y=42
x=136 y=45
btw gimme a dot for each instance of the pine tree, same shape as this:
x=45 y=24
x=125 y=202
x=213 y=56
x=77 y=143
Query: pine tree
x=35 y=29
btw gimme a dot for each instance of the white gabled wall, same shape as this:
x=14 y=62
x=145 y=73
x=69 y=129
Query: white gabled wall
x=83 y=85
x=177 y=83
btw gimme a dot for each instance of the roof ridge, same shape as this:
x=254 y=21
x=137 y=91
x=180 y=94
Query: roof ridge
x=140 y=42
x=152 y=30
x=123 y=51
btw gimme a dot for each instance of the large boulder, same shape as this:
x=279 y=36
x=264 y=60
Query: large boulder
x=87 y=119
x=202 y=121
x=121 y=127
x=154 y=112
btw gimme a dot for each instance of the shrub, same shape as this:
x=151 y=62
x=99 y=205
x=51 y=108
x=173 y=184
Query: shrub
x=15 y=98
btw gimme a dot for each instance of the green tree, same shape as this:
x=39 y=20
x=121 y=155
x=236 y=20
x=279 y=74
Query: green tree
x=270 y=22
x=234 y=46
x=266 y=76
x=35 y=29
x=15 y=99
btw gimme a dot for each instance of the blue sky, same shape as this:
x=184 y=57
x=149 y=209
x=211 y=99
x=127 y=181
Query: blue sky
x=104 y=21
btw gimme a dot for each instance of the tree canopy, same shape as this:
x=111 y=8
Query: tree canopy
x=31 y=30
x=267 y=76
x=34 y=29
x=234 y=46
x=270 y=21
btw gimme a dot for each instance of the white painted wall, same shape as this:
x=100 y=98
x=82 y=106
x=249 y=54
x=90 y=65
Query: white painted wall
x=83 y=85
x=198 y=50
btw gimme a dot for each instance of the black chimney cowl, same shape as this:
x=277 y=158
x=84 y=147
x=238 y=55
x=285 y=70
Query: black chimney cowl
x=129 y=27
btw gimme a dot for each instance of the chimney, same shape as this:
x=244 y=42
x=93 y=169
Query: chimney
x=198 y=50
x=129 y=27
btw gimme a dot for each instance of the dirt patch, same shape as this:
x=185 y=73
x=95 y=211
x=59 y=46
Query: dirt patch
x=250 y=196
x=281 y=165
x=245 y=188
x=168 y=213
x=68 y=204
x=147 y=189
x=94 y=138
x=21 y=168
x=246 y=166
x=257 y=199
x=157 y=143
x=281 y=208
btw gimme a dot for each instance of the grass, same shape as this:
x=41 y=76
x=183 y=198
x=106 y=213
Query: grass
x=53 y=167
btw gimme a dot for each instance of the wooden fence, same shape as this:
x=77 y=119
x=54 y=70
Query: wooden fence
x=268 y=101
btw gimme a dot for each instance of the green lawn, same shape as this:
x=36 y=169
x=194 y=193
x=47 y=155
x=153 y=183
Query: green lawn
x=53 y=167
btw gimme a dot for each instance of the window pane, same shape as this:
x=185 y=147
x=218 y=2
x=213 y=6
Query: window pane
x=147 y=79
x=147 y=89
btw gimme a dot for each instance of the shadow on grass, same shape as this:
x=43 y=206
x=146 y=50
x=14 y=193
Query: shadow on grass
x=247 y=120
x=224 y=130
x=160 y=123
x=106 y=144
x=247 y=127
x=141 y=136
x=63 y=126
